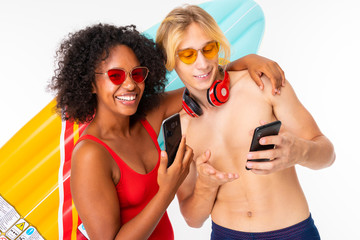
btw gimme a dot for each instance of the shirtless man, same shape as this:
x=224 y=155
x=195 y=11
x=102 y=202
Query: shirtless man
x=266 y=201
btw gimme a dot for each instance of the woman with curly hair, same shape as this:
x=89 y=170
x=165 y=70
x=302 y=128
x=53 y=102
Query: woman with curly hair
x=114 y=78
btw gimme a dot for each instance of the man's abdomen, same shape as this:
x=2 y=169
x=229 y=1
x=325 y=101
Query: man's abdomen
x=259 y=203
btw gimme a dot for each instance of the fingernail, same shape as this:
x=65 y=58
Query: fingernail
x=163 y=154
x=249 y=156
x=262 y=141
x=249 y=164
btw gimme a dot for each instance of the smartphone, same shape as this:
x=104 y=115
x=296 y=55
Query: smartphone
x=269 y=129
x=171 y=128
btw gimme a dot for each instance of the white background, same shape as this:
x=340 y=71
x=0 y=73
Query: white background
x=315 y=42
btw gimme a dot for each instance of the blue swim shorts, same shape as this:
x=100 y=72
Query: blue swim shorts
x=305 y=230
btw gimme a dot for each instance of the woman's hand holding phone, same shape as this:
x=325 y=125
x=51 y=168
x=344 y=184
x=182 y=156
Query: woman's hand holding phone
x=170 y=178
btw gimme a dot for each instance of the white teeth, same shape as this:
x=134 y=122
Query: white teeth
x=202 y=76
x=126 y=98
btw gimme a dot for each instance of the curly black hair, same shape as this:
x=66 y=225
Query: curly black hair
x=81 y=52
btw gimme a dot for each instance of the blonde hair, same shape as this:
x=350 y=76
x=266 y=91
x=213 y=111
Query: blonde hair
x=172 y=28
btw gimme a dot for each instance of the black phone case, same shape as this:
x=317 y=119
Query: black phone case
x=269 y=129
x=172 y=136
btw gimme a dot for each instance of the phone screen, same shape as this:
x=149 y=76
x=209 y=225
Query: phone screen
x=269 y=129
x=172 y=136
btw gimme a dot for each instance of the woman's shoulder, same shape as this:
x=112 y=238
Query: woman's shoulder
x=170 y=103
x=89 y=150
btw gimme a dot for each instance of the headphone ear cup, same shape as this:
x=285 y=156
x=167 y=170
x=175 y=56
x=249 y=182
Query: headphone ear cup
x=190 y=105
x=211 y=94
x=218 y=93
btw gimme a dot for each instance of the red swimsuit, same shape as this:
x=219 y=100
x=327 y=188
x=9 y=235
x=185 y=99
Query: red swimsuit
x=135 y=190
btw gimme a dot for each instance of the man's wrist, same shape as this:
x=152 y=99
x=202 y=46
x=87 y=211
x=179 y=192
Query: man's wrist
x=206 y=186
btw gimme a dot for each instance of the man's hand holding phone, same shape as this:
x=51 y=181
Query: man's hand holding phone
x=289 y=150
x=262 y=149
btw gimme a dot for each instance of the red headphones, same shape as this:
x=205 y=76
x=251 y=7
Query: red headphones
x=217 y=95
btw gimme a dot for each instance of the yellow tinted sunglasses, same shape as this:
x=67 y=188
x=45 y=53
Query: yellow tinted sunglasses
x=189 y=55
